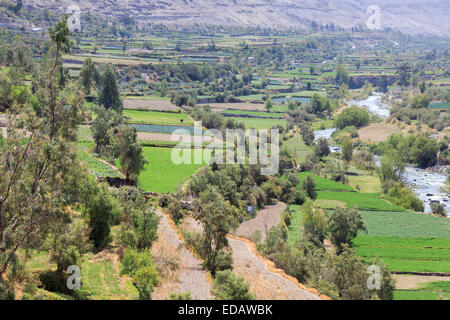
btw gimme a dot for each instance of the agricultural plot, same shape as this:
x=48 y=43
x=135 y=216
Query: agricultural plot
x=325 y=184
x=260 y=114
x=155 y=117
x=405 y=224
x=161 y=174
x=408 y=255
x=295 y=228
x=101 y=281
x=420 y=295
x=298 y=148
x=364 y=201
x=97 y=167
x=260 y=123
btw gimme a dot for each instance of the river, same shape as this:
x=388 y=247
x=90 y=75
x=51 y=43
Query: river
x=426 y=184
x=374 y=105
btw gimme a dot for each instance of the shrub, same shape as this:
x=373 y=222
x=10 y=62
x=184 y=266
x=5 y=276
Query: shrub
x=438 y=209
x=101 y=212
x=145 y=279
x=403 y=196
x=309 y=186
x=181 y=296
x=353 y=116
x=322 y=148
x=227 y=286
x=133 y=260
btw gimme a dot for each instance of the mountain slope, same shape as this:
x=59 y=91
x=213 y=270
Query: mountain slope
x=414 y=16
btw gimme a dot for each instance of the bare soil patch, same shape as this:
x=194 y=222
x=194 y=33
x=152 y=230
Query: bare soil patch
x=378 y=132
x=157 y=105
x=406 y=282
x=236 y=106
x=265 y=220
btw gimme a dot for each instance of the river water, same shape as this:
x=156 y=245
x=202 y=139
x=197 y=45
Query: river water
x=426 y=184
x=374 y=105
x=327 y=133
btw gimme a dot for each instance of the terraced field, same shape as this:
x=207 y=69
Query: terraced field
x=405 y=224
x=325 y=184
x=260 y=123
x=161 y=174
x=409 y=255
x=364 y=201
x=429 y=291
x=155 y=117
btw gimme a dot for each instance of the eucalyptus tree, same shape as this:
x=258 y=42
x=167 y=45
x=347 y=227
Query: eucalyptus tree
x=41 y=175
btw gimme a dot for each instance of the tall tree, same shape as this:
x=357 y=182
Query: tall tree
x=40 y=172
x=347 y=149
x=87 y=74
x=218 y=220
x=109 y=96
x=344 y=227
x=404 y=75
x=128 y=150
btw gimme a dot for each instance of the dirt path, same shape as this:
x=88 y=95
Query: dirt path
x=264 y=283
x=406 y=282
x=265 y=220
x=190 y=276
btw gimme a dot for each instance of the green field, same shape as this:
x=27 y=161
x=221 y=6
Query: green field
x=364 y=201
x=419 y=295
x=405 y=224
x=295 y=228
x=260 y=123
x=155 y=117
x=298 y=148
x=97 y=167
x=254 y=113
x=325 y=184
x=100 y=280
x=407 y=254
x=161 y=174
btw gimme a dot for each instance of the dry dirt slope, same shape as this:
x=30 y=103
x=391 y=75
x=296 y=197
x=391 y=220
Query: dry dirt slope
x=416 y=16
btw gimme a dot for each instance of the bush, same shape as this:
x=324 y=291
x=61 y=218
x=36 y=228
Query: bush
x=6 y=290
x=223 y=260
x=353 y=116
x=309 y=186
x=101 y=212
x=133 y=260
x=403 y=196
x=181 y=296
x=438 y=209
x=145 y=279
x=227 y=286
x=175 y=212
x=424 y=151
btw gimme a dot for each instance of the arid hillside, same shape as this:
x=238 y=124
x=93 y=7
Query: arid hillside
x=412 y=16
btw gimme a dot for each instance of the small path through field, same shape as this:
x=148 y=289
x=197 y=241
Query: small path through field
x=406 y=282
x=190 y=276
x=265 y=220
